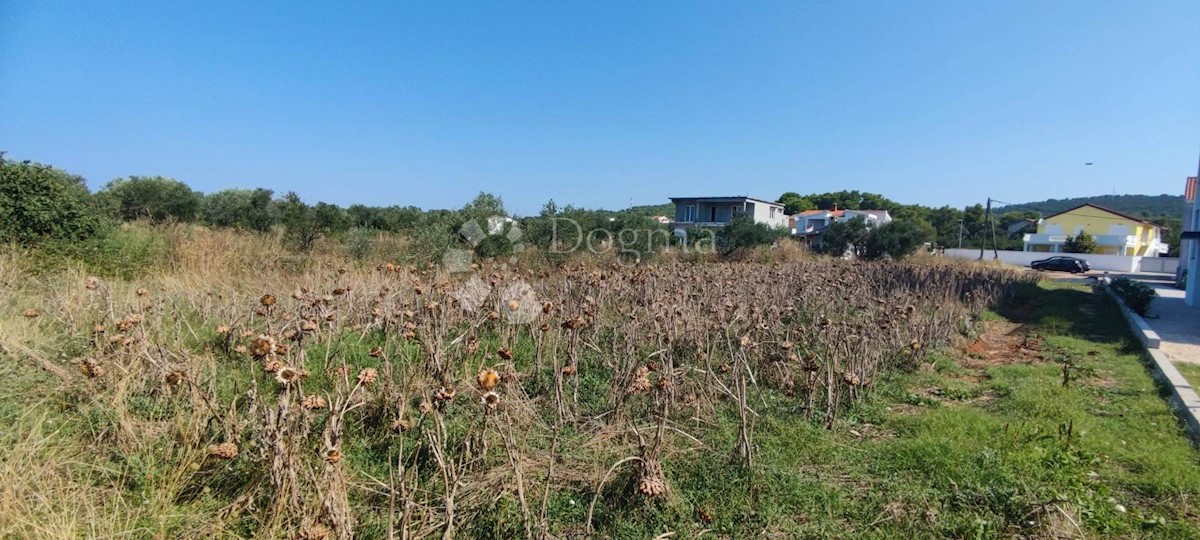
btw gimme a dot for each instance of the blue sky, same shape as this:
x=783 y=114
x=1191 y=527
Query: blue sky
x=602 y=103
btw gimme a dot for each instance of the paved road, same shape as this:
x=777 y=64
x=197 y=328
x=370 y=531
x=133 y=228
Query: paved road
x=1176 y=323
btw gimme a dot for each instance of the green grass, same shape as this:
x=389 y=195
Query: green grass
x=998 y=451
x=1191 y=372
x=963 y=447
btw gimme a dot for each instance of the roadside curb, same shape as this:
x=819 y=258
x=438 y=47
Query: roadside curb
x=1183 y=397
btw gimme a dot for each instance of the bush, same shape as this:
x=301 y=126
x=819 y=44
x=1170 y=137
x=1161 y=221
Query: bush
x=1082 y=243
x=897 y=239
x=242 y=208
x=125 y=252
x=1137 y=295
x=743 y=233
x=156 y=198
x=844 y=237
x=41 y=203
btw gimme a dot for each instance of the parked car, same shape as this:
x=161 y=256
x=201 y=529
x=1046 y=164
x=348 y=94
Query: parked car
x=1073 y=265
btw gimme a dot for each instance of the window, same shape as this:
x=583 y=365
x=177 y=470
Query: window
x=772 y=212
x=712 y=214
x=689 y=213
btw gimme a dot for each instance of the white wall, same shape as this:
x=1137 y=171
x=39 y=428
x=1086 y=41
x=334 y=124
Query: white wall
x=762 y=214
x=1110 y=263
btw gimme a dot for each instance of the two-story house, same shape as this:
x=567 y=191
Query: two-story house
x=719 y=211
x=1115 y=233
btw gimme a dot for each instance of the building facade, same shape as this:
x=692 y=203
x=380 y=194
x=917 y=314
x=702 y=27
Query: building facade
x=1115 y=233
x=719 y=211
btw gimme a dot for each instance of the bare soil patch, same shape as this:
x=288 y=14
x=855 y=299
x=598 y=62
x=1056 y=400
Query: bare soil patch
x=1002 y=343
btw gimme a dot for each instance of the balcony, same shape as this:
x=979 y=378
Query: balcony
x=1119 y=240
x=1045 y=238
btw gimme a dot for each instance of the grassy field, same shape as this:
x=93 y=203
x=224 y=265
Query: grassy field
x=1041 y=421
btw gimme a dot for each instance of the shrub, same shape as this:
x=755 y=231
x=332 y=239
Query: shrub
x=743 y=233
x=1082 y=243
x=126 y=252
x=43 y=203
x=843 y=237
x=242 y=208
x=1135 y=294
x=897 y=239
x=156 y=198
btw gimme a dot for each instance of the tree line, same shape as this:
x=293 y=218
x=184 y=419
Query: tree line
x=952 y=227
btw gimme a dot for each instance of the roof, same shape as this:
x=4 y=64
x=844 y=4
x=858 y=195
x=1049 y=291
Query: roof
x=876 y=213
x=835 y=213
x=1102 y=209
x=727 y=198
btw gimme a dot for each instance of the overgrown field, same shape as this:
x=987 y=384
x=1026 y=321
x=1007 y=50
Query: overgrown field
x=238 y=393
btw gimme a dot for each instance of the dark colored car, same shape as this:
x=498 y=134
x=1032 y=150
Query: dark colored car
x=1062 y=264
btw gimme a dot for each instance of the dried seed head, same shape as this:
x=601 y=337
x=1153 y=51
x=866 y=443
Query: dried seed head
x=267 y=300
x=91 y=368
x=401 y=425
x=367 y=376
x=316 y=531
x=568 y=370
x=376 y=352
x=513 y=305
x=92 y=283
x=223 y=330
x=31 y=313
x=225 y=450
x=99 y=329
x=652 y=482
x=175 y=377
x=308 y=326
x=445 y=394
x=287 y=376
x=142 y=292
x=425 y=407
x=505 y=353
x=487 y=379
x=333 y=456
x=313 y=403
x=491 y=400
x=262 y=346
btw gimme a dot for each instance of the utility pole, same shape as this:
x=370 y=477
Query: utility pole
x=987 y=218
x=960 y=228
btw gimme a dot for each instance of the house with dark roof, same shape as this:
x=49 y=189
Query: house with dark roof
x=1115 y=233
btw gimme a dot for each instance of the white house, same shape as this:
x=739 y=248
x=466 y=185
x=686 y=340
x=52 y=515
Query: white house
x=719 y=211
x=813 y=222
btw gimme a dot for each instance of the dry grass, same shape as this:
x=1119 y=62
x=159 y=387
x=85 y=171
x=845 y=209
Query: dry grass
x=185 y=402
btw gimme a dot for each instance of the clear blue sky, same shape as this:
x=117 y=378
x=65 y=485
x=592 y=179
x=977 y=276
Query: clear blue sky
x=602 y=103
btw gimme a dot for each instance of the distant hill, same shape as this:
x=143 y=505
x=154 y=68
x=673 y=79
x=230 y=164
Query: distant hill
x=1137 y=205
x=667 y=209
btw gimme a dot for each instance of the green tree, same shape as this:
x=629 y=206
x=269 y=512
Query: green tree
x=898 y=239
x=794 y=203
x=39 y=202
x=1081 y=243
x=299 y=222
x=241 y=208
x=843 y=237
x=743 y=233
x=156 y=198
